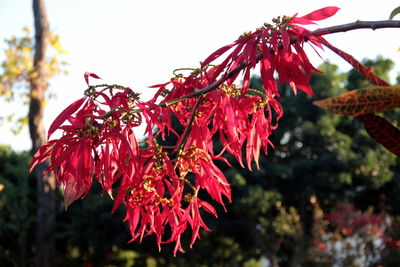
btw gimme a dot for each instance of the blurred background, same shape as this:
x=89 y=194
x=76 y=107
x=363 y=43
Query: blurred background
x=326 y=195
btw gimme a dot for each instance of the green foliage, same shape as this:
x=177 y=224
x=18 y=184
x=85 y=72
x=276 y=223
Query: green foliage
x=16 y=208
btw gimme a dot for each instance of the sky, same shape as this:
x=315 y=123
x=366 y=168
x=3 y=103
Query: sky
x=139 y=43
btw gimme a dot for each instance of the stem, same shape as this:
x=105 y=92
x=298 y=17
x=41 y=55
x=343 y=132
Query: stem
x=195 y=190
x=189 y=125
x=214 y=85
x=168 y=147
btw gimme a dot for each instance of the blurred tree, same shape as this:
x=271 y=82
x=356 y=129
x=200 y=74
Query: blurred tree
x=26 y=66
x=46 y=183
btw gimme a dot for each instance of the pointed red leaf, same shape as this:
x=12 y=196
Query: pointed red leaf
x=89 y=74
x=319 y=14
x=42 y=154
x=64 y=116
x=216 y=54
x=285 y=39
x=208 y=207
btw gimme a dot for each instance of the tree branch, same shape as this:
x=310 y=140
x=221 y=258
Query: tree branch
x=373 y=25
x=322 y=31
x=188 y=128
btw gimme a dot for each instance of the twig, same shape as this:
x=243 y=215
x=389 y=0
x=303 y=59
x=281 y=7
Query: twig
x=189 y=125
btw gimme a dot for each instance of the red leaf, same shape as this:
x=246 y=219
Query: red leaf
x=319 y=14
x=383 y=132
x=89 y=74
x=73 y=185
x=207 y=207
x=64 y=116
x=285 y=39
x=217 y=54
x=250 y=146
x=42 y=154
x=72 y=192
x=246 y=81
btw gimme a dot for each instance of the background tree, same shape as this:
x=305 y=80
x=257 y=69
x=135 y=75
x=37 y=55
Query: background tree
x=27 y=67
x=46 y=184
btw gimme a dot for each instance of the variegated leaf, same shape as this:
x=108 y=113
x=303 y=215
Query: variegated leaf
x=383 y=132
x=367 y=72
x=363 y=101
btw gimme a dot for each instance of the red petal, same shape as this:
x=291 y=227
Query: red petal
x=89 y=74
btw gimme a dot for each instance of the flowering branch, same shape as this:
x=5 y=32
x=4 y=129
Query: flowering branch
x=158 y=192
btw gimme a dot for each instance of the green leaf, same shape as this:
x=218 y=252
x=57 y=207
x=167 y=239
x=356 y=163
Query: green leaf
x=394 y=12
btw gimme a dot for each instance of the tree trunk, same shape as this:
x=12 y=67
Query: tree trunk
x=45 y=225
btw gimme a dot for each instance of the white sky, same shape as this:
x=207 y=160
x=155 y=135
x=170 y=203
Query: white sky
x=138 y=43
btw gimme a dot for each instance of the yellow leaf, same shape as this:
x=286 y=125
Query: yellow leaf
x=26 y=30
x=9 y=94
x=10 y=117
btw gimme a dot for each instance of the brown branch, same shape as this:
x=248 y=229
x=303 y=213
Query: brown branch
x=188 y=128
x=214 y=85
x=322 y=31
x=373 y=25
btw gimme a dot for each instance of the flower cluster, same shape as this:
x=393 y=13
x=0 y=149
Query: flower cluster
x=159 y=184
